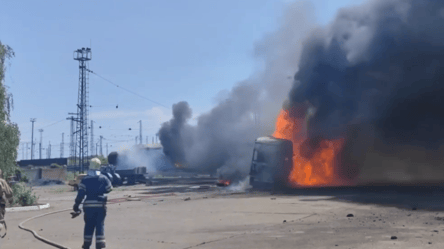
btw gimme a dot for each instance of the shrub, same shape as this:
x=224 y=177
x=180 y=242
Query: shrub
x=55 y=165
x=71 y=176
x=23 y=195
x=24 y=179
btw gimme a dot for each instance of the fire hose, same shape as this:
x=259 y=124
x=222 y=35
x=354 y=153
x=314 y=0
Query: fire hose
x=47 y=241
x=73 y=215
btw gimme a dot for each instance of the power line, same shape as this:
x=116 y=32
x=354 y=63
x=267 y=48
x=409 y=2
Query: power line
x=21 y=133
x=53 y=123
x=143 y=97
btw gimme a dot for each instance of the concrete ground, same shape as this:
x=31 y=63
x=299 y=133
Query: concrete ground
x=193 y=215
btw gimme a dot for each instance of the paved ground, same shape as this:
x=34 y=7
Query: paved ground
x=190 y=215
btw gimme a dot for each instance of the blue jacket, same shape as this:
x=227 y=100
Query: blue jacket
x=95 y=188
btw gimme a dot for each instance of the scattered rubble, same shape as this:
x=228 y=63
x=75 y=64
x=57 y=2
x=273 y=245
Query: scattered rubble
x=46 y=182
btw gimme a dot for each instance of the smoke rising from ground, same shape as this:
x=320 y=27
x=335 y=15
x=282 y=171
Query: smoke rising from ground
x=380 y=64
x=153 y=159
x=222 y=141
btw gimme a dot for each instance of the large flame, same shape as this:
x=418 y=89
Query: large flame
x=320 y=168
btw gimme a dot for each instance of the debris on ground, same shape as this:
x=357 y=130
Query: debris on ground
x=350 y=215
x=393 y=237
x=47 y=182
x=187 y=199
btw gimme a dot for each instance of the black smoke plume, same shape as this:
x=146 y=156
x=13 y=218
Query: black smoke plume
x=222 y=141
x=172 y=133
x=375 y=75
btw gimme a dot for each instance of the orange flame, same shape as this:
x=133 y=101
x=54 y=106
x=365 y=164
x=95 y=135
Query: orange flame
x=223 y=183
x=319 y=169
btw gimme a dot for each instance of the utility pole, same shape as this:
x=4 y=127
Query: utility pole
x=140 y=132
x=62 y=146
x=40 y=144
x=101 y=151
x=92 y=138
x=83 y=56
x=32 y=139
x=96 y=149
x=27 y=147
x=107 y=149
x=136 y=139
x=49 y=150
x=23 y=151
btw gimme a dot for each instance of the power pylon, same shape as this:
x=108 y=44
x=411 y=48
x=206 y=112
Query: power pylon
x=101 y=151
x=32 y=139
x=71 y=142
x=140 y=132
x=83 y=56
x=92 y=138
x=62 y=145
x=40 y=144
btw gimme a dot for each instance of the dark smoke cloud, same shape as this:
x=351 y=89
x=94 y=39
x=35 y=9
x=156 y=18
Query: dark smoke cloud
x=380 y=64
x=222 y=141
x=172 y=133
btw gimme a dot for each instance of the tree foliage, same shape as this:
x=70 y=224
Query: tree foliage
x=9 y=132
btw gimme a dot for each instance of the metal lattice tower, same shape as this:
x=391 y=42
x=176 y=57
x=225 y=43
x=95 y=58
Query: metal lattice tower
x=140 y=132
x=92 y=139
x=49 y=150
x=83 y=56
x=40 y=144
x=62 y=145
x=71 y=142
x=101 y=151
x=27 y=148
x=32 y=138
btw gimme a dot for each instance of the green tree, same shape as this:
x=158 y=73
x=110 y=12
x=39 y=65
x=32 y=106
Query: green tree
x=9 y=132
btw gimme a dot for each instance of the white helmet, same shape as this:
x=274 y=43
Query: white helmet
x=93 y=172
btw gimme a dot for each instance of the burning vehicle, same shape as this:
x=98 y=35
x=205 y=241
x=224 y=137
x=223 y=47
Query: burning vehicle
x=271 y=163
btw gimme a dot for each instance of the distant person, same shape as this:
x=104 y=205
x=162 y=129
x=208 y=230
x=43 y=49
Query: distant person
x=7 y=192
x=95 y=187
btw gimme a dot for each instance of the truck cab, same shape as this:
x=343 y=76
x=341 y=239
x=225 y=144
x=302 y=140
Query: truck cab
x=271 y=163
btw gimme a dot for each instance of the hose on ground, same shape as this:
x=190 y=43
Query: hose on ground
x=37 y=236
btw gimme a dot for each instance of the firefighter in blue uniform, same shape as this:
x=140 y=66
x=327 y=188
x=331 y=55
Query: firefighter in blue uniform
x=95 y=187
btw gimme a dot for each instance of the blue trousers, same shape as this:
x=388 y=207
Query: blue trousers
x=94 y=220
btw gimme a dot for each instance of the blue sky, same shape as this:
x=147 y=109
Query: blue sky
x=167 y=51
